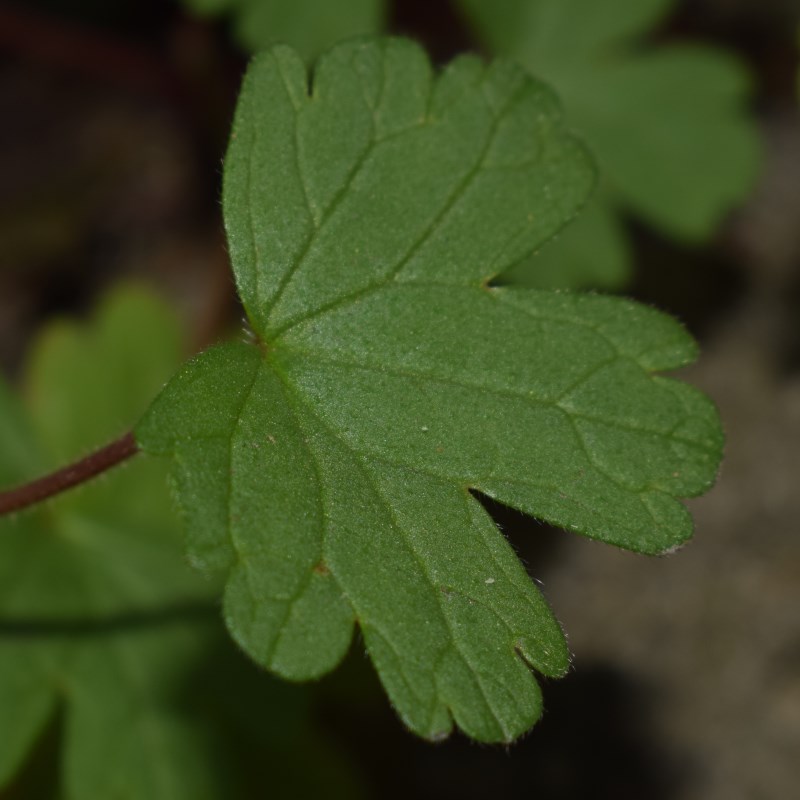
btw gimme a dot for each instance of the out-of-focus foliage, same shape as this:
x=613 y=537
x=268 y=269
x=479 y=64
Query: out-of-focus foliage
x=668 y=124
x=102 y=624
x=308 y=25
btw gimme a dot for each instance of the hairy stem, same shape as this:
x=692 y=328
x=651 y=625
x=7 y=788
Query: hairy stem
x=72 y=475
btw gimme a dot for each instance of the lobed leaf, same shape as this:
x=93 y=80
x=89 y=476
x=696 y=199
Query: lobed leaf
x=326 y=468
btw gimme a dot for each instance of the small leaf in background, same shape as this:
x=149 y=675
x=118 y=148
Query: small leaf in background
x=668 y=124
x=100 y=617
x=309 y=25
x=326 y=468
x=592 y=251
x=99 y=554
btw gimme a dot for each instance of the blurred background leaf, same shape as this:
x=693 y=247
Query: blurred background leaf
x=668 y=125
x=310 y=26
x=104 y=630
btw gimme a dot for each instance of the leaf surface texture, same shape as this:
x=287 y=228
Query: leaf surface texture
x=326 y=468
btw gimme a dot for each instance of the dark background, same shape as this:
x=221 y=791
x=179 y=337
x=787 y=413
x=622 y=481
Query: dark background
x=686 y=677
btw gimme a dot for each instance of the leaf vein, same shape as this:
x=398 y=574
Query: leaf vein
x=448 y=205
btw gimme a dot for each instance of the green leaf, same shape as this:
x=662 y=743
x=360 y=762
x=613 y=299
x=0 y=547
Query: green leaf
x=325 y=468
x=100 y=618
x=668 y=125
x=309 y=25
